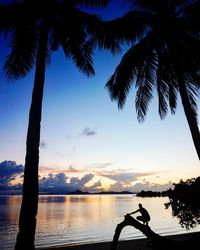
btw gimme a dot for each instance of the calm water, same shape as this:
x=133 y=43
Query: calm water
x=82 y=219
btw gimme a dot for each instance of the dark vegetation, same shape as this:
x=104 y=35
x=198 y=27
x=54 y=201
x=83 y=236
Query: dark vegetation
x=183 y=200
x=185 y=203
x=152 y=194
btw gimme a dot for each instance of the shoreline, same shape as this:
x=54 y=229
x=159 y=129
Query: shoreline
x=139 y=244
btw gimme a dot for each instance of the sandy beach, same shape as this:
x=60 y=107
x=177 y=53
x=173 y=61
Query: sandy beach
x=140 y=244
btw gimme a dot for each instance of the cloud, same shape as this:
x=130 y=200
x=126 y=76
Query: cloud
x=146 y=186
x=80 y=183
x=117 y=187
x=87 y=131
x=93 y=167
x=100 y=165
x=9 y=170
x=138 y=187
x=60 y=183
x=123 y=177
x=56 y=183
x=53 y=182
x=67 y=170
x=96 y=168
x=123 y=181
x=97 y=186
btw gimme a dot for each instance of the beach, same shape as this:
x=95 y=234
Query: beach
x=140 y=244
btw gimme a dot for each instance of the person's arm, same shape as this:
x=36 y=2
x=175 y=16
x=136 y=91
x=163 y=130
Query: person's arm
x=134 y=212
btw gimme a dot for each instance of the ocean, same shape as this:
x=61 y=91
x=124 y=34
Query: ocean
x=79 y=219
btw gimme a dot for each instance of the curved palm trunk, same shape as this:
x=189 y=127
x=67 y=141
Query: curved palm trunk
x=27 y=220
x=155 y=241
x=191 y=119
x=194 y=129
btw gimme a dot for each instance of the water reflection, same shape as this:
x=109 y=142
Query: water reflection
x=9 y=215
x=52 y=199
x=10 y=199
x=184 y=202
x=188 y=214
x=67 y=219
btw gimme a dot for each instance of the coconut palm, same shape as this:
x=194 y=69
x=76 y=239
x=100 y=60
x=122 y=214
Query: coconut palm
x=163 y=56
x=35 y=29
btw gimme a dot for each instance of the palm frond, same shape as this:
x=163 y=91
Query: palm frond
x=190 y=55
x=192 y=93
x=173 y=95
x=155 y=6
x=80 y=54
x=90 y=3
x=166 y=82
x=120 y=82
x=127 y=71
x=143 y=97
x=192 y=9
x=77 y=19
x=15 y=13
x=54 y=38
x=149 y=6
x=162 y=91
x=48 y=55
x=107 y=43
x=118 y=30
x=20 y=60
x=145 y=82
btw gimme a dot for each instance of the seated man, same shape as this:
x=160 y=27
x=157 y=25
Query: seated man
x=145 y=217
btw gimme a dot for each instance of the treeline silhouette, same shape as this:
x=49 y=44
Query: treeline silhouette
x=183 y=200
x=186 y=191
x=152 y=193
x=185 y=203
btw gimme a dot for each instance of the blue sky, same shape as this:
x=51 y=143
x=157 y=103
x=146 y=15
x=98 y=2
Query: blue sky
x=84 y=134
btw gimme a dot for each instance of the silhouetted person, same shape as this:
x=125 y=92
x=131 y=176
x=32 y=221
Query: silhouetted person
x=145 y=217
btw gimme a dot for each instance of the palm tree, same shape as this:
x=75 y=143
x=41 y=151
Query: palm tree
x=35 y=29
x=163 y=56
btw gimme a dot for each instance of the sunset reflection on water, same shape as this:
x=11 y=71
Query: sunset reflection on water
x=68 y=219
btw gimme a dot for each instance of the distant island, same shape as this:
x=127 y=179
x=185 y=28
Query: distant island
x=79 y=192
x=139 y=194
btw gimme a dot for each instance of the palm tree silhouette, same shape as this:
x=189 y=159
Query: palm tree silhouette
x=163 y=56
x=36 y=29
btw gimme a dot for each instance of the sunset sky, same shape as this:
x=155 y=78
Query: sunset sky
x=86 y=142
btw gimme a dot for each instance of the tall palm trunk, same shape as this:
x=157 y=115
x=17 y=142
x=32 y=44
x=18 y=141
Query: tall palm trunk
x=194 y=129
x=189 y=113
x=29 y=206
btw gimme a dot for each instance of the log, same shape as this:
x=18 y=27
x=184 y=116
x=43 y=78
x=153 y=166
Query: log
x=156 y=241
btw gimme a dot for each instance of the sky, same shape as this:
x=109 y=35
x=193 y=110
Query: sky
x=86 y=142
